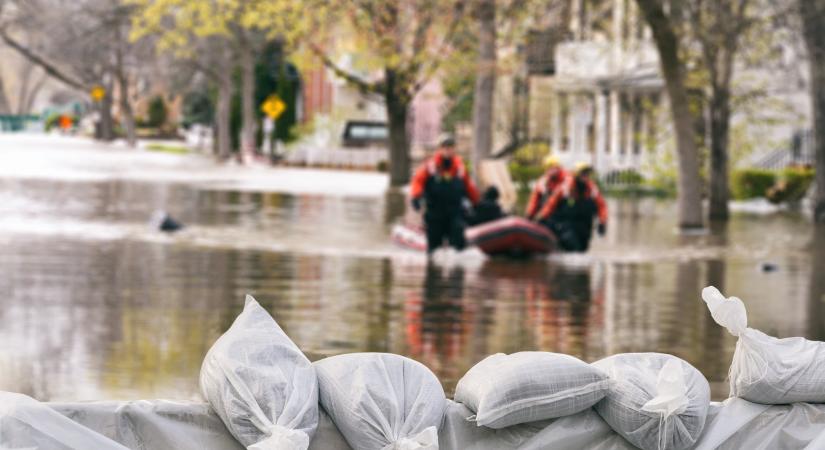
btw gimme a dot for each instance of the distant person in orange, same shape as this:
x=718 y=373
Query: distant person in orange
x=570 y=211
x=546 y=185
x=65 y=123
x=443 y=185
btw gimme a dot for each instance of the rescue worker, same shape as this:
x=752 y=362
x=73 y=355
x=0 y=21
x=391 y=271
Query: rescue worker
x=546 y=185
x=488 y=209
x=569 y=212
x=443 y=185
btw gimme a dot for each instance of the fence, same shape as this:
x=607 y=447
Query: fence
x=16 y=122
x=800 y=153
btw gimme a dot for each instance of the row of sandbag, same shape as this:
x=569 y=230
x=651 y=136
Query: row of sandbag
x=180 y=425
x=267 y=392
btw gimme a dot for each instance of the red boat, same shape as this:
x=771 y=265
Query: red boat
x=510 y=236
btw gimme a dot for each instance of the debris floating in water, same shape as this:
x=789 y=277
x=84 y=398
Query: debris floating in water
x=162 y=221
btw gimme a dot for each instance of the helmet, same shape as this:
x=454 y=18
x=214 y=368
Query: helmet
x=551 y=161
x=582 y=167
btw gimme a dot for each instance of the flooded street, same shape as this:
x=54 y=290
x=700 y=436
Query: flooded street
x=96 y=305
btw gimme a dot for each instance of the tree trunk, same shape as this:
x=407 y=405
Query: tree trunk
x=485 y=84
x=106 y=128
x=223 y=115
x=719 y=139
x=813 y=21
x=127 y=116
x=397 y=103
x=4 y=101
x=249 y=127
x=689 y=196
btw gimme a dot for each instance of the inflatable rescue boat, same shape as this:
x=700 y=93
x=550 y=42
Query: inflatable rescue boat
x=509 y=236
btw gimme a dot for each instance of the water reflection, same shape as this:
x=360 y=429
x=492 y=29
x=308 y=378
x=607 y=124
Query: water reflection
x=816 y=290
x=130 y=315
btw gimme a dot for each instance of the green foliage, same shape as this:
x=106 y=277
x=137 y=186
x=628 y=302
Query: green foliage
x=53 y=120
x=198 y=108
x=751 y=183
x=792 y=185
x=164 y=148
x=157 y=112
x=525 y=166
x=460 y=89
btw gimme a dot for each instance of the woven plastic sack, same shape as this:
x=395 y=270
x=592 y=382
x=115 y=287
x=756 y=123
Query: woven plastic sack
x=766 y=369
x=655 y=401
x=260 y=384
x=381 y=401
x=505 y=390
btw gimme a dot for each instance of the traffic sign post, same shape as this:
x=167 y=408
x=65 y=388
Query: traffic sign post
x=273 y=107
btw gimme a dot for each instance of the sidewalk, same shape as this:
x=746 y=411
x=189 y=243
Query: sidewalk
x=80 y=159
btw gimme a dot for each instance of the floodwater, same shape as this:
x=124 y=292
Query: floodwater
x=95 y=305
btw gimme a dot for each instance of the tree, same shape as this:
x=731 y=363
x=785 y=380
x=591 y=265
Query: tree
x=404 y=42
x=812 y=13
x=667 y=42
x=485 y=82
x=717 y=26
x=237 y=31
x=81 y=44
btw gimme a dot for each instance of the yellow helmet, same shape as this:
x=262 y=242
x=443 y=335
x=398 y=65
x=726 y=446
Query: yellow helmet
x=583 y=166
x=551 y=161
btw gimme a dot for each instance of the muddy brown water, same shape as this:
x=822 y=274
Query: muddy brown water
x=95 y=305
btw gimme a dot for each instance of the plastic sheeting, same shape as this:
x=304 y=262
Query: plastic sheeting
x=505 y=390
x=161 y=425
x=766 y=369
x=261 y=384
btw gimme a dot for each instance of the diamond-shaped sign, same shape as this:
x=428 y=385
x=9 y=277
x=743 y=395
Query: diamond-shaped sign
x=273 y=106
x=97 y=93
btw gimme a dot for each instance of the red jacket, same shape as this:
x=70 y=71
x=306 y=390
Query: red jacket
x=567 y=190
x=433 y=166
x=544 y=189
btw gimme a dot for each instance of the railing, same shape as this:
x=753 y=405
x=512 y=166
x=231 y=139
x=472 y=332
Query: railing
x=15 y=122
x=800 y=152
x=364 y=158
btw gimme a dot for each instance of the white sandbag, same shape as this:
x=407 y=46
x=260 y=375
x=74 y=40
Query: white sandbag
x=26 y=423
x=504 y=390
x=766 y=369
x=260 y=384
x=585 y=430
x=382 y=401
x=655 y=401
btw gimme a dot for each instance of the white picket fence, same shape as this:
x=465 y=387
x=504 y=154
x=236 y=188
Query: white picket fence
x=366 y=158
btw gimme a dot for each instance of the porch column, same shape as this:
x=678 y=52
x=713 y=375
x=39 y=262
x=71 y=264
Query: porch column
x=557 y=122
x=615 y=124
x=601 y=129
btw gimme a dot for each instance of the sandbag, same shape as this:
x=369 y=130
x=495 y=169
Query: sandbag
x=766 y=369
x=260 y=384
x=382 y=401
x=504 y=390
x=655 y=401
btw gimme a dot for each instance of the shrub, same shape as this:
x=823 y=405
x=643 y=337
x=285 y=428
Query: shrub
x=525 y=165
x=157 y=112
x=751 y=183
x=792 y=185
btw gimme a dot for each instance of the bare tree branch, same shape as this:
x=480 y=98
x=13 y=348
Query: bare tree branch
x=360 y=83
x=51 y=69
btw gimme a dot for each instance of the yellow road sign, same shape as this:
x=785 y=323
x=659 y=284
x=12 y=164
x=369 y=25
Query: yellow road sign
x=273 y=106
x=97 y=93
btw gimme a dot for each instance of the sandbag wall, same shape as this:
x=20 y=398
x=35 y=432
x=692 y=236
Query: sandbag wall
x=383 y=401
x=264 y=394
